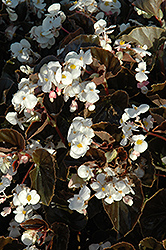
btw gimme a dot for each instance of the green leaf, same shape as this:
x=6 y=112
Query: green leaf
x=43 y=175
x=125 y=217
x=150 y=244
x=121 y=246
x=61 y=238
x=152 y=7
x=10 y=243
x=11 y=140
x=151 y=36
x=154 y=216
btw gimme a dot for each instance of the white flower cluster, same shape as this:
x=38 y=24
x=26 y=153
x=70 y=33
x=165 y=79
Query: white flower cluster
x=25 y=200
x=45 y=34
x=102 y=32
x=38 y=7
x=10 y=6
x=23 y=52
x=91 y=6
x=85 y=5
x=80 y=136
x=107 y=185
x=128 y=126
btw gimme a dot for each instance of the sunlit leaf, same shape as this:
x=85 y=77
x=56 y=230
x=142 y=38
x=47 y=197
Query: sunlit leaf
x=154 y=216
x=150 y=6
x=125 y=217
x=43 y=175
x=150 y=244
x=151 y=36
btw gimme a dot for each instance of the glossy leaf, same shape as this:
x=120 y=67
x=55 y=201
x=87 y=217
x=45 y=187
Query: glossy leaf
x=125 y=217
x=151 y=36
x=150 y=6
x=43 y=175
x=61 y=238
x=104 y=136
x=11 y=140
x=35 y=224
x=35 y=128
x=53 y=108
x=10 y=243
x=121 y=246
x=150 y=244
x=107 y=58
x=154 y=216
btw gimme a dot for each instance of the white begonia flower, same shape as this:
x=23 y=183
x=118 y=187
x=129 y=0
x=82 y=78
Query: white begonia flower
x=5 y=182
x=29 y=237
x=85 y=172
x=46 y=78
x=22 y=213
x=134 y=155
x=78 y=201
x=141 y=75
x=140 y=145
x=13 y=119
x=148 y=122
x=28 y=197
x=135 y=111
x=164 y=159
x=100 y=186
x=14 y=229
x=26 y=69
x=124 y=26
x=6 y=211
x=127 y=199
x=91 y=93
x=5 y=162
x=79 y=146
x=100 y=26
x=21 y=50
x=22 y=100
x=54 y=9
x=74 y=65
x=141 y=50
x=73 y=106
x=11 y=3
x=39 y=4
x=64 y=79
x=112 y=6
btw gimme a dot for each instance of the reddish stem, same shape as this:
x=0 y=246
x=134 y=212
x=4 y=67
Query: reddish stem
x=27 y=173
x=65 y=30
x=60 y=134
x=159 y=136
x=162 y=175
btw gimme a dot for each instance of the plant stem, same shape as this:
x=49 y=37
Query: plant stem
x=27 y=173
x=65 y=30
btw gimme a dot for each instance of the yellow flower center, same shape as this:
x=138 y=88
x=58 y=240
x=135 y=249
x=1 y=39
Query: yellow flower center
x=29 y=197
x=74 y=132
x=63 y=76
x=1 y=183
x=79 y=145
x=114 y=1
x=143 y=70
x=135 y=108
x=122 y=42
x=139 y=142
x=46 y=79
x=38 y=1
x=103 y=189
x=72 y=66
x=24 y=98
x=24 y=212
x=123 y=136
x=81 y=58
x=120 y=191
x=146 y=123
x=106 y=3
x=110 y=197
